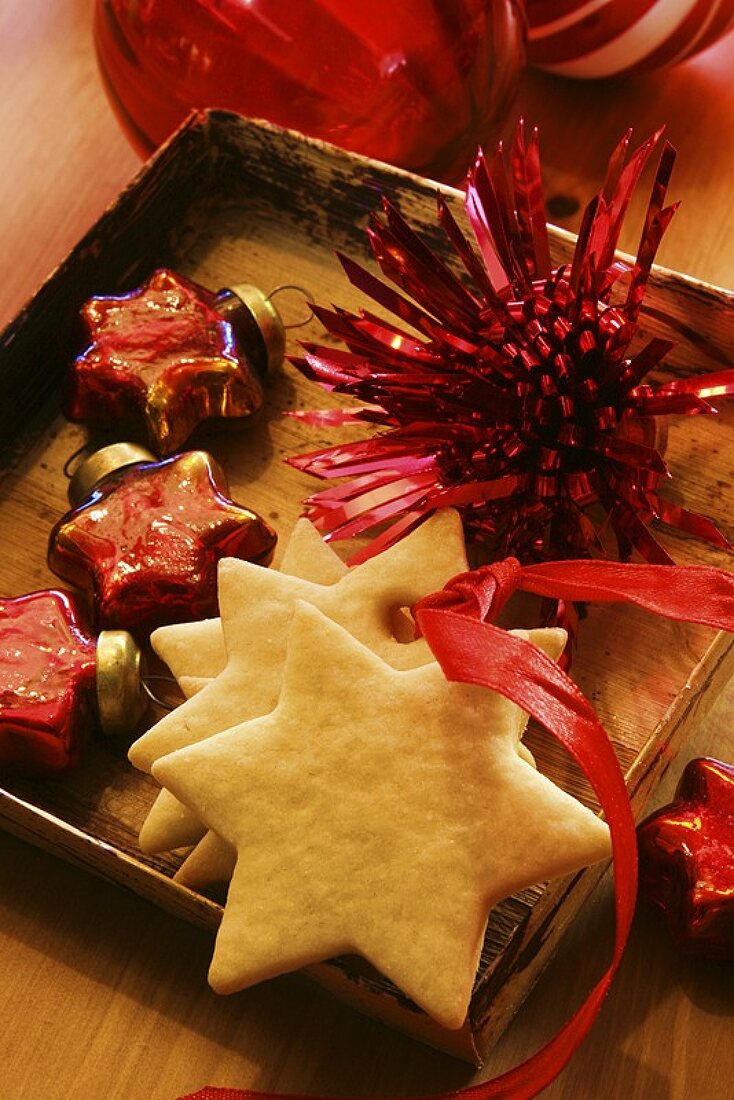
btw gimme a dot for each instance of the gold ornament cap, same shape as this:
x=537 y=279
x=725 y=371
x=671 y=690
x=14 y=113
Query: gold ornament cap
x=121 y=698
x=107 y=460
x=257 y=325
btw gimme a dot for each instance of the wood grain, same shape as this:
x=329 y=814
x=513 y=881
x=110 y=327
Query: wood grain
x=137 y=1019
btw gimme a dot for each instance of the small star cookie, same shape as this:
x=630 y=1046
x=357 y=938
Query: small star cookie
x=195 y=654
x=257 y=605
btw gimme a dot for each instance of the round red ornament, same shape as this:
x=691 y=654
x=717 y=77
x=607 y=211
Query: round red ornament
x=597 y=38
x=417 y=84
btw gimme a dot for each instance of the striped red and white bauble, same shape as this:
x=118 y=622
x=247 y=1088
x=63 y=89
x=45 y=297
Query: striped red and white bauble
x=596 y=38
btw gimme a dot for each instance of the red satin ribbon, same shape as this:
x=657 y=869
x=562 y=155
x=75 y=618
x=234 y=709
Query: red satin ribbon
x=456 y=623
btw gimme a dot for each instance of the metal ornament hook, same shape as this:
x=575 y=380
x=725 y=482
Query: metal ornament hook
x=67 y=467
x=306 y=294
x=123 y=690
x=121 y=703
x=164 y=704
x=98 y=464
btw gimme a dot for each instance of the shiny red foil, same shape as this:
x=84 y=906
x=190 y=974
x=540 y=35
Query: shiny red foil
x=511 y=393
x=686 y=854
x=146 y=542
x=47 y=681
x=161 y=360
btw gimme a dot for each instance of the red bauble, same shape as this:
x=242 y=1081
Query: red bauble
x=167 y=356
x=146 y=542
x=596 y=39
x=687 y=860
x=47 y=681
x=417 y=83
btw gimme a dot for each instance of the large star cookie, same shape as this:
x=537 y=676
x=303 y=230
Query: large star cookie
x=212 y=860
x=375 y=811
x=257 y=605
x=195 y=653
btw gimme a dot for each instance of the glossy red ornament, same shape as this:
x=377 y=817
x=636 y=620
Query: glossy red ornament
x=686 y=852
x=514 y=394
x=47 y=681
x=145 y=543
x=415 y=83
x=622 y=37
x=169 y=355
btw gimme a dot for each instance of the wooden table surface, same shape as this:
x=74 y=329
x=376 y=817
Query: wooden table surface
x=102 y=995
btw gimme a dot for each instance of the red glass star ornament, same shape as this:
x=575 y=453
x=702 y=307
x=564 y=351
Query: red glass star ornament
x=163 y=356
x=47 y=681
x=687 y=860
x=146 y=542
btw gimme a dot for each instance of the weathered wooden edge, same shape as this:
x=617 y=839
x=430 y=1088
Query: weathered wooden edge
x=50 y=833
x=48 y=322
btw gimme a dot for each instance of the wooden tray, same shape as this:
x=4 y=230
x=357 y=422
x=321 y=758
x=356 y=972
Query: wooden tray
x=229 y=201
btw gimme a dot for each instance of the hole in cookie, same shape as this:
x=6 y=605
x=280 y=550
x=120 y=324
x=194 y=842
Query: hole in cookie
x=402 y=625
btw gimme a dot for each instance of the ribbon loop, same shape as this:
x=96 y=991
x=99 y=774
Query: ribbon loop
x=689 y=593
x=481 y=593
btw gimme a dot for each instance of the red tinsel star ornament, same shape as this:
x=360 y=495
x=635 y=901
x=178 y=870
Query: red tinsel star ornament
x=509 y=393
x=146 y=542
x=171 y=354
x=47 y=681
x=686 y=854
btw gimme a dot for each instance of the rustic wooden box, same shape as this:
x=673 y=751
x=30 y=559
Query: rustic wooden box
x=228 y=200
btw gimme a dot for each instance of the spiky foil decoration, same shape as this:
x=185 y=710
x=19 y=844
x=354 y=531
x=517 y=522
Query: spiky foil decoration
x=513 y=398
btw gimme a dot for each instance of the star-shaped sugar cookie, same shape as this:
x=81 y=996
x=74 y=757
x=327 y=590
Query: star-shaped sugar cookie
x=376 y=811
x=257 y=606
x=195 y=654
x=212 y=860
